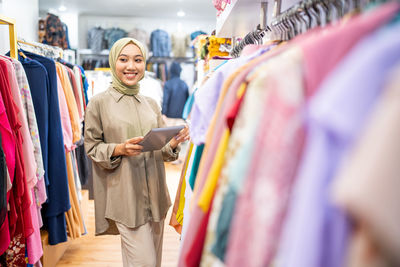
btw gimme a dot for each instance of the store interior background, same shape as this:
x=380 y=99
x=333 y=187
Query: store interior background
x=149 y=15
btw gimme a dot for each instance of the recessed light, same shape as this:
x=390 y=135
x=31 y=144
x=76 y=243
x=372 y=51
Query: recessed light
x=62 y=8
x=180 y=13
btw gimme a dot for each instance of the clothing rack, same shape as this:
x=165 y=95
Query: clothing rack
x=12 y=33
x=309 y=13
x=298 y=19
x=256 y=36
x=42 y=49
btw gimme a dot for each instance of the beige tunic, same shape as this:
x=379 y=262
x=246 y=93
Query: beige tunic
x=130 y=190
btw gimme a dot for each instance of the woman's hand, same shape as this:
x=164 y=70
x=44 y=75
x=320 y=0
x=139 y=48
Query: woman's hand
x=129 y=148
x=182 y=136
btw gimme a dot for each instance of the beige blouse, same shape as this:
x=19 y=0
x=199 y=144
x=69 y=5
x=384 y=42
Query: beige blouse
x=130 y=190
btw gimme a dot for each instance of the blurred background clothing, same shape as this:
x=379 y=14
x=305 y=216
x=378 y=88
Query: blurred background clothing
x=176 y=92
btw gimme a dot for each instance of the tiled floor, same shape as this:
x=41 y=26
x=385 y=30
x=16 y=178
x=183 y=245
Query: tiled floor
x=105 y=251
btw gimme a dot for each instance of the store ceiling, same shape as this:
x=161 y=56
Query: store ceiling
x=194 y=9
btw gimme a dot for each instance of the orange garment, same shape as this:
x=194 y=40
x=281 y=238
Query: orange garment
x=180 y=194
x=69 y=96
x=76 y=92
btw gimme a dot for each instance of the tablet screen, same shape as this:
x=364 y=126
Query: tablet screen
x=157 y=138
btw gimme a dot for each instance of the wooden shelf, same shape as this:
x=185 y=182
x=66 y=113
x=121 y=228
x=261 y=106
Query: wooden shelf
x=238 y=18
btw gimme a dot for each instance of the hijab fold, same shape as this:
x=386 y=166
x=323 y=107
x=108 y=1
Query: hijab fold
x=116 y=49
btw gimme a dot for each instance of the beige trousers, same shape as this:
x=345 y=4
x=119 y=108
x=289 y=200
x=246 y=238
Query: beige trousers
x=142 y=246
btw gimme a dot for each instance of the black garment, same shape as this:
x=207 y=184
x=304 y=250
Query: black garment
x=82 y=161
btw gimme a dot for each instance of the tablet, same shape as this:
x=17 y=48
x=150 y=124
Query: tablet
x=157 y=138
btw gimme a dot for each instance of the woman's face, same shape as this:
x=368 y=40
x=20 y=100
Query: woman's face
x=130 y=65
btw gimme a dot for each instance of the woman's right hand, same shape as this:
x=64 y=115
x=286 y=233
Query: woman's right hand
x=129 y=148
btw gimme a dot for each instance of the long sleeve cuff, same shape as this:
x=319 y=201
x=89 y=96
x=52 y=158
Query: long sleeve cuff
x=170 y=154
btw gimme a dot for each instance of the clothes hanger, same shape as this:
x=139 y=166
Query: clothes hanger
x=339 y=6
x=20 y=52
x=326 y=9
x=292 y=25
x=307 y=14
x=315 y=8
x=300 y=19
x=314 y=15
x=286 y=26
x=292 y=22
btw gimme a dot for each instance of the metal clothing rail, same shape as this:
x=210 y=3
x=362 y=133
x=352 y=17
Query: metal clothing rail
x=12 y=33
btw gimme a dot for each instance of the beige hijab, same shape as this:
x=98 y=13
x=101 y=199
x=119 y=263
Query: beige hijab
x=113 y=56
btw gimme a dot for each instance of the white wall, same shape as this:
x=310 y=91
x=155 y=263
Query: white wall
x=71 y=20
x=26 y=14
x=86 y=22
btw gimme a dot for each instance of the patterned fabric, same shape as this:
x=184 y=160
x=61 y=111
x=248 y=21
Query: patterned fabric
x=220 y=4
x=31 y=117
x=55 y=33
x=273 y=165
x=39 y=196
x=15 y=255
x=112 y=35
x=96 y=39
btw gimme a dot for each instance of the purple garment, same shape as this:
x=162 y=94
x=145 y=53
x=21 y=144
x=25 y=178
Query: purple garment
x=316 y=231
x=206 y=98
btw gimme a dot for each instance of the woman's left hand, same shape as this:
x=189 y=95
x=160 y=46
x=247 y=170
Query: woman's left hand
x=182 y=136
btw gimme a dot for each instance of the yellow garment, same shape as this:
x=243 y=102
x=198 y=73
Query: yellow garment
x=212 y=178
x=179 y=213
x=180 y=197
x=71 y=103
x=73 y=216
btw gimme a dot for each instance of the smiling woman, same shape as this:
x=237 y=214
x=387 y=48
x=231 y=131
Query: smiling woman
x=130 y=190
x=130 y=65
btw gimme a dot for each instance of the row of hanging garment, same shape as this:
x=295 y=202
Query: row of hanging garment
x=43 y=162
x=160 y=68
x=293 y=160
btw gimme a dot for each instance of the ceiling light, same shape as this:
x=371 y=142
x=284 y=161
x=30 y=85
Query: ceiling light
x=180 y=13
x=62 y=8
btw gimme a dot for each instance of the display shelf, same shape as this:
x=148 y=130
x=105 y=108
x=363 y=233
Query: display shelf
x=104 y=52
x=238 y=18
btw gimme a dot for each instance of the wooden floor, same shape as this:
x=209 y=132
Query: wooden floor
x=102 y=251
